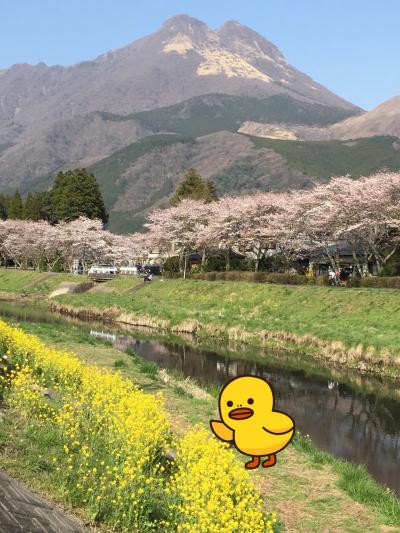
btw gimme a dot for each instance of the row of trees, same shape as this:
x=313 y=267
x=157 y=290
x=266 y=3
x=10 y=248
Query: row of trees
x=365 y=213
x=74 y=193
x=55 y=247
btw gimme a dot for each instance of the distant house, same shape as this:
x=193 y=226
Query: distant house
x=342 y=252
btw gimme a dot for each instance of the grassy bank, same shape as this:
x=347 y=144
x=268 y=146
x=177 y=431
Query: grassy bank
x=31 y=282
x=354 y=327
x=309 y=489
x=351 y=328
x=102 y=445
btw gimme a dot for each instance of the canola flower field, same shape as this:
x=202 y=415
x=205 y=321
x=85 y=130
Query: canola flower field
x=110 y=444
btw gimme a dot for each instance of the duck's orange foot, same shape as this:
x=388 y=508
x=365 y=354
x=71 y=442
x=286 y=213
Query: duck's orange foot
x=254 y=463
x=270 y=461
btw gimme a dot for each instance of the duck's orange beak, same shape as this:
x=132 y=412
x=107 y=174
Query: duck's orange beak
x=241 y=413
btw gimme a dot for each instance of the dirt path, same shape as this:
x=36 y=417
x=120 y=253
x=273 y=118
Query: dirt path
x=45 y=277
x=23 y=511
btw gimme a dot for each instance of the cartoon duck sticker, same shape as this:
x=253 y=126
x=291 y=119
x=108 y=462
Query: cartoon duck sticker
x=249 y=421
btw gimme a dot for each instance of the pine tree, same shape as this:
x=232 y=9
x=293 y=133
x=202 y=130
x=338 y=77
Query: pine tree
x=211 y=195
x=32 y=207
x=46 y=207
x=15 y=207
x=76 y=193
x=3 y=206
x=194 y=187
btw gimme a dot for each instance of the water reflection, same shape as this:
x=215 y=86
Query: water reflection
x=349 y=422
x=363 y=428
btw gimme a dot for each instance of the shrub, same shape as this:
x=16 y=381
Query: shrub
x=255 y=277
x=286 y=279
x=202 y=504
x=171 y=275
x=172 y=264
x=42 y=265
x=322 y=280
x=381 y=282
x=214 y=264
x=354 y=281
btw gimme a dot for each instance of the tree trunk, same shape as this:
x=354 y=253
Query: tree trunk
x=389 y=255
x=332 y=261
x=356 y=260
x=228 y=260
x=185 y=266
x=203 y=259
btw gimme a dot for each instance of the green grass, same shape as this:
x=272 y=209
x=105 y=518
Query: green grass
x=32 y=282
x=309 y=489
x=354 y=480
x=324 y=159
x=354 y=316
x=124 y=283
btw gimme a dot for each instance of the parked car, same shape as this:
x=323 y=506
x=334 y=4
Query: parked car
x=128 y=270
x=103 y=269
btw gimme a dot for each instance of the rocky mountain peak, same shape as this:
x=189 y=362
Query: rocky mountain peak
x=184 y=24
x=246 y=41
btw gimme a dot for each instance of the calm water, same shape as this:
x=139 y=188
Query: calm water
x=345 y=421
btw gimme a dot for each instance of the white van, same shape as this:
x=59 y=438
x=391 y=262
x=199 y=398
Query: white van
x=103 y=269
x=128 y=270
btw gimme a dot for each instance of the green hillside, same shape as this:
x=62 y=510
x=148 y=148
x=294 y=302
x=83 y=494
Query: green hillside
x=109 y=170
x=316 y=160
x=217 y=112
x=324 y=159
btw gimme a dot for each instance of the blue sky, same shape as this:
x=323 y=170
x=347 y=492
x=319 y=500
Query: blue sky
x=350 y=46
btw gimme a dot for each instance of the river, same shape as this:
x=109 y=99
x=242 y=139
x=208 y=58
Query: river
x=357 y=419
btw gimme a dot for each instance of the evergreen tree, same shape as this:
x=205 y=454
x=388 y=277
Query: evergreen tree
x=32 y=207
x=211 y=195
x=3 y=206
x=16 y=207
x=46 y=207
x=76 y=193
x=194 y=187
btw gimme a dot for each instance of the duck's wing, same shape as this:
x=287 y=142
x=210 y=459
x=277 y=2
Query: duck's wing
x=221 y=430
x=278 y=423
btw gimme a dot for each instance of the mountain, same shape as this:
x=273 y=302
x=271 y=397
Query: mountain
x=185 y=96
x=143 y=175
x=52 y=117
x=383 y=120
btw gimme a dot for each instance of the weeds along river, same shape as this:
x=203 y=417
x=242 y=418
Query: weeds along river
x=351 y=416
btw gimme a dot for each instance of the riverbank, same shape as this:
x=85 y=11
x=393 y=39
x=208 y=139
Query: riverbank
x=106 y=447
x=351 y=328
x=310 y=490
x=347 y=328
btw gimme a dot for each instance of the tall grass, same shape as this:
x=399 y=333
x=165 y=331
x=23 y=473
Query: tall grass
x=355 y=481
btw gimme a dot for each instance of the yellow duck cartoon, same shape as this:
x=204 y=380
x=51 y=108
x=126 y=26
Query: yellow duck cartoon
x=246 y=407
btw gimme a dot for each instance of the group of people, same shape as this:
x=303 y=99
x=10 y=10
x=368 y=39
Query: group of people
x=144 y=272
x=340 y=277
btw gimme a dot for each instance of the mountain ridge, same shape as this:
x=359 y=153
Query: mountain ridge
x=382 y=120
x=140 y=115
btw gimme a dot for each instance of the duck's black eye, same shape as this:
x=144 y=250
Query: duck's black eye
x=250 y=401
x=229 y=403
